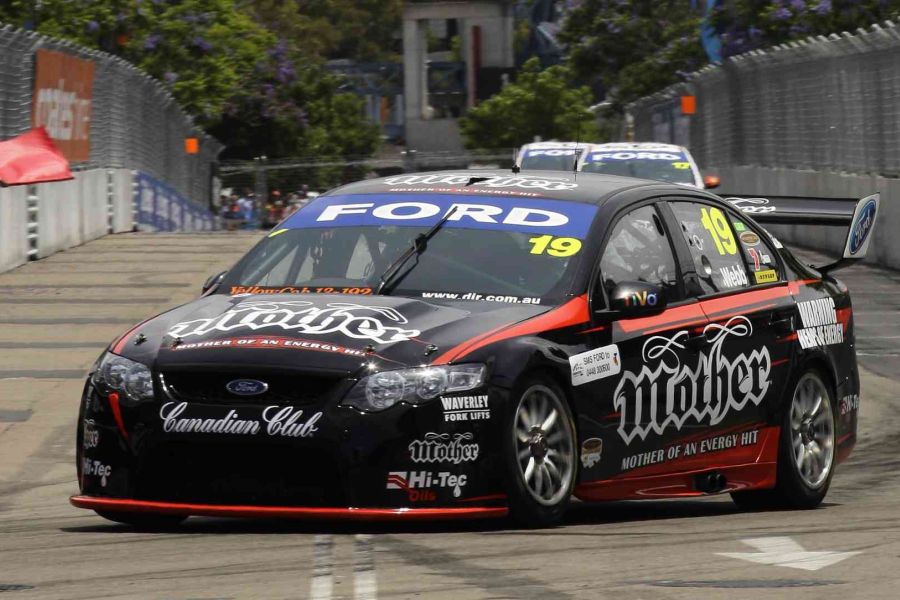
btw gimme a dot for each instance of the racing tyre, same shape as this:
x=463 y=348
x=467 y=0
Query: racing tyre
x=806 y=452
x=541 y=455
x=143 y=521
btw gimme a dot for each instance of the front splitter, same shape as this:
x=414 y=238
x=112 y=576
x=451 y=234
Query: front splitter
x=287 y=512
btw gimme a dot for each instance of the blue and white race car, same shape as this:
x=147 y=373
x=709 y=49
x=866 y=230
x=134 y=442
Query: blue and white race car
x=646 y=160
x=551 y=156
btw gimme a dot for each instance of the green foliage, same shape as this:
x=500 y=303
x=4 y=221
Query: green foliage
x=251 y=72
x=363 y=30
x=541 y=103
x=305 y=117
x=749 y=24
x=204 y=49
x=630 y=49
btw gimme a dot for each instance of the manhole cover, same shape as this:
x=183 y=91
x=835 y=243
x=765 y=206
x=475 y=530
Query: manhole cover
x=14 y=587
x=739 y=583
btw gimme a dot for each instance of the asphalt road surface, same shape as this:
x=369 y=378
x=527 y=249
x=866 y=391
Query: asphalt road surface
x=57 y=315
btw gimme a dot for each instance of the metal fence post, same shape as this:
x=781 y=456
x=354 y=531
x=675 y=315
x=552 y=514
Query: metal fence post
x=33 y=204
x=110 y=200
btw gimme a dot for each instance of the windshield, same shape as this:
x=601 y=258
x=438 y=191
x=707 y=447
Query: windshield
x=552 y=159
x=520 y=250
x=672 y=167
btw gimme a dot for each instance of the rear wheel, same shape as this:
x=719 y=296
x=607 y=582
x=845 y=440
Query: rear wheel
x=143 y=521
x=541 y=459
x=806 y=454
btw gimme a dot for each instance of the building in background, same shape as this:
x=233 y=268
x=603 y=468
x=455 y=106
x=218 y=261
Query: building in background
x=454 y=54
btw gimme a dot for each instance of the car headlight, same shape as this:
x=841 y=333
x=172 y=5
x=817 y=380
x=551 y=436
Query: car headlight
x=118 y=374
x=413 y=386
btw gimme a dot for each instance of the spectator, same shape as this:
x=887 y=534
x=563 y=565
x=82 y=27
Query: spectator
x=247 y=207
x=231 y=213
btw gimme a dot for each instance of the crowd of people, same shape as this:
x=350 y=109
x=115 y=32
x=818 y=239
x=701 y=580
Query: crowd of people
x=252 y=211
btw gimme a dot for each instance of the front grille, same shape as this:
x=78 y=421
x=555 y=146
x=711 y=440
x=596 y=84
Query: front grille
x=210 y=387
x=249 y=473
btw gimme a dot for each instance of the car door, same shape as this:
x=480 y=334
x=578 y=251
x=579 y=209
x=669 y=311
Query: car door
x=746 y=355
x=628 y=373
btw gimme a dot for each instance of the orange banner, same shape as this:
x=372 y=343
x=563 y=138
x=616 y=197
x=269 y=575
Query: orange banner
x=63 y=89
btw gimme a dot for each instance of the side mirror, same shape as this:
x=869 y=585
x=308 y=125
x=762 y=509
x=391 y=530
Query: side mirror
x=636 y=299
x=212 y=282
x=711 y=181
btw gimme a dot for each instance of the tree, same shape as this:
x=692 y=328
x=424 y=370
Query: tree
x=307 y=116
x=226 y=64
x=363 y=30
x=204 y=49
x=746 y=25
x=630 y=49
x=543 y=103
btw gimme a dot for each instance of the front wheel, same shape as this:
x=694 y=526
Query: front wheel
x=806 y=453
x=541 y=455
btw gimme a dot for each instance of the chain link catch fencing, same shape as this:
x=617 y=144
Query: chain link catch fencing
x=135 y=121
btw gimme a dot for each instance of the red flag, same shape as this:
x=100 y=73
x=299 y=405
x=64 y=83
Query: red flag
x=32 y=158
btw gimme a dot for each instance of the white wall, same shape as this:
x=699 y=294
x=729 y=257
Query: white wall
x=123 y=200
x=13 y=227
x=69 y=213
x=94 y=203
x=59 y=216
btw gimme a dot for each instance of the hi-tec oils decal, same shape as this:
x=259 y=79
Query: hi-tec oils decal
x=95 y=468
x=420 y=485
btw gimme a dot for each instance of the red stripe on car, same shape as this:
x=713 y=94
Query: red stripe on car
x=573 y=312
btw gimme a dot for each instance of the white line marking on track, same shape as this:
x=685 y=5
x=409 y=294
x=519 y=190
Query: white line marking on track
x=322 y=582
x=785 y=552
x=365 y=584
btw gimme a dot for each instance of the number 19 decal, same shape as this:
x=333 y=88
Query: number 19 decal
x=713 y=220
x=561 y=246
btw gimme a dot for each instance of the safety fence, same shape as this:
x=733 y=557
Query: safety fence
x=39 y=220
x=823 y=103
x=101 y=111
x=803 y=118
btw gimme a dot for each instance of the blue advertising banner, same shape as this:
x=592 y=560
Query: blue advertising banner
x=161 y=208
x=526 y=215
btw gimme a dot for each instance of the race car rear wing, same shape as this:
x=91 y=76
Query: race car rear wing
x=860 y=215
x=794 y=210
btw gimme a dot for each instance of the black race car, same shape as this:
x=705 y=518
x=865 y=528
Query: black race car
x=477 y=344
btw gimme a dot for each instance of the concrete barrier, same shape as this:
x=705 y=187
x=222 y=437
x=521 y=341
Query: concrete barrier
x=13 y=227
x=762 y=181
x=123 y=200
x=59 y=216
x=94 y=203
